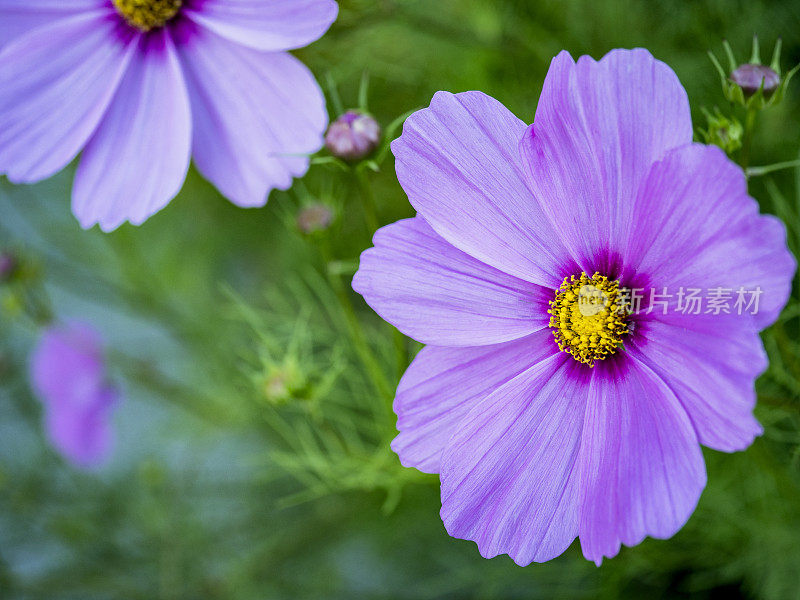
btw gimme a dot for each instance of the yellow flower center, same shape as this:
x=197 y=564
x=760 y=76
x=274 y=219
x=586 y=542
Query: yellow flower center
x=148 y=14
x=588 y=317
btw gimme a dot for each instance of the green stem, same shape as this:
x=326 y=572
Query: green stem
x=368 y=200
x=370 y=212
x=182 y=395
x=757 y=171
x=374 y=371
x=749 y=130
x=37 y=306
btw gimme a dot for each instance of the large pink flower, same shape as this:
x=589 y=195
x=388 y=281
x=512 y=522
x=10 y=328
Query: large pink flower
x=140 y=85
x=547 y=420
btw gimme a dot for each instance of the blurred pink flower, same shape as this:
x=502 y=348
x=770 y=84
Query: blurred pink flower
x=68 y=373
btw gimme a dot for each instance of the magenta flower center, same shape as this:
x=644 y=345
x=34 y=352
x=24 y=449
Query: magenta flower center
x=146 y=15
x=587 y=317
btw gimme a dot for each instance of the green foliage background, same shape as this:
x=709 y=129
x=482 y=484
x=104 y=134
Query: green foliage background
x=220 y=487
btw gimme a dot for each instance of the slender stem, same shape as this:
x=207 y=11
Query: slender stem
x=370 y=213
x=749 y=130
x=37 y=305
x=374 y=370
x=182 y=395
x=333 y=94
x=368 y=199
x=757 y=171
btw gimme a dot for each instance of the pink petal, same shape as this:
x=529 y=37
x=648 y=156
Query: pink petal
x=443 y=384
x=270 y=25
x=598 y=128
x=711 y=362
x=18 y=17
x=84 y=436
x=65 y=354
x=55 y=85
x=642 y=471
x=440 y=295
x=68 y=374
x=698 y=228
x=509 y=473
x=137 y=160
x=257 y=116
x=460 y=165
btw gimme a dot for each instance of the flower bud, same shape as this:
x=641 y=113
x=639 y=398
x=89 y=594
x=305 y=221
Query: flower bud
x=752 y=77
x=725 y=132
x=284 y=382
x=753 y=85
x=353 y=136
x=8 y=265
x=314 y=218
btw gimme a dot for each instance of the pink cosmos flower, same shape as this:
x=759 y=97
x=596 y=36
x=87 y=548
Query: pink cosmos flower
x=68 y=373
x=547 y=416
x=140 y=85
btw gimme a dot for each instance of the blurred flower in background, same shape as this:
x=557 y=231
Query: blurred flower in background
x=140 y=85
x=595 y=433
x=68 y=373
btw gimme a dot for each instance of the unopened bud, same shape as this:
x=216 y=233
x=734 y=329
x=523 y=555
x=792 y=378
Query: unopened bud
x=314 y=218
x=284 y=382
x=752 y=78
x=353 y=136
x=725 y=132
x=753 y=84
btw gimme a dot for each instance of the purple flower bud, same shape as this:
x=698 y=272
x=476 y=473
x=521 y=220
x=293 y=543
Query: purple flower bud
x=315 y=217
x=353 y=136
x=749 y=77
x=8 y=264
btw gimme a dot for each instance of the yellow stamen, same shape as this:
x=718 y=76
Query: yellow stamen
x=148 y=14
x=588 y=317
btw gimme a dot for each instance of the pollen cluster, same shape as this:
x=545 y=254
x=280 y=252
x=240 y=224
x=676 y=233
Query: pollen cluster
x=148 y=14
x=588 y=317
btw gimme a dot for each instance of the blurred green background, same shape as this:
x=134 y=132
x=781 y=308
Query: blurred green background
x=252 y=457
